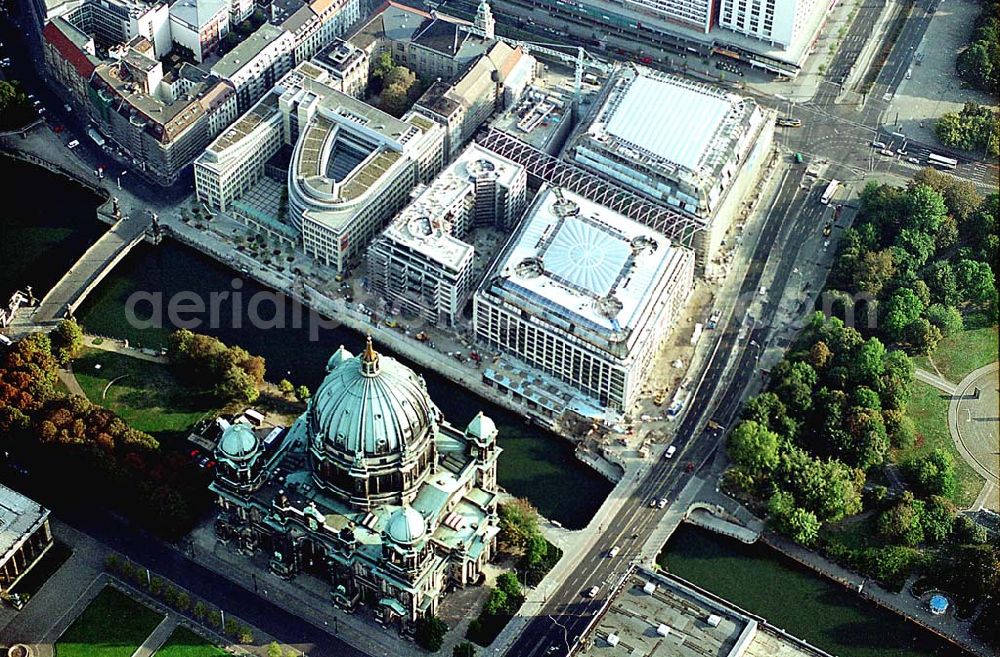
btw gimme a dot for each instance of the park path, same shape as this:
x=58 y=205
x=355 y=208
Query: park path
x=157 y=637
x=115 y=346
x=68 y=379
x=936 y=380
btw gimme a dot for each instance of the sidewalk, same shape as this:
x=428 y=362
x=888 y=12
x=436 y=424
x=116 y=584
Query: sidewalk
x=157 y=637
x=932 y=379
x=116 y=346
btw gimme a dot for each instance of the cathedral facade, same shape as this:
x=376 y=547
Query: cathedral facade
x=370 y=489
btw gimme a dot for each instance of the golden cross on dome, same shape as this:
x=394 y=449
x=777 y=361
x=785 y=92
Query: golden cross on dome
x=369 y=358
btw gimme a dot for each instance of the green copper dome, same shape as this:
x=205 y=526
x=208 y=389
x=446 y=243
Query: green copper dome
x=369 y=405
x=406 y=526
x=238 y=442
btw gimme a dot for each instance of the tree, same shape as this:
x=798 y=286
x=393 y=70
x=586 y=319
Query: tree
x=873 y=270
x=976 y=281
x=395 y=100
x=922 y=336
x=766 y=409
x=903 y=308
x=302 y=393
x=183 y=602
x=518 y=523
x=902 y=522
x=286 y=388
x=938 y=519
x=869 y=363
x=820 y=356
x=200 y=611
x=244 y=634
x=507 y=582
x=924 y=209
x=67 y=341
x=429 y=633
x=232 y=627
x=464 y=649
x=945 y=318
x=940 y=278
x=803 y=527
x=754 y=447
x=274 y=650
x=870 y=442
x=382 y=66
x=918 y=244
x=793 y=383
x=237 y=384
x=933 y=473
x=497 y=602
x=900 y=428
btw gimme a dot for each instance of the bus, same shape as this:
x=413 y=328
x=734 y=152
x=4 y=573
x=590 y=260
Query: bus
x=831 y=189
x=941 y=162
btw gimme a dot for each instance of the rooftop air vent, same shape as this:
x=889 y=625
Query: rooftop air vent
x=529 y=268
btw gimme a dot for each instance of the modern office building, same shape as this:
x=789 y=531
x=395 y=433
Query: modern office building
x=112 y=22
x=702 y=157
x=256 y=64
x=199 y=25
x=370 y=490
x=421 y=263
x=778 y=22
x=352 y=166
x=660 y=615
x=585 y=295
x=24 y=536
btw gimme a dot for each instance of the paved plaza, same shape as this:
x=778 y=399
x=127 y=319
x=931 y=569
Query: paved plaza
x=974 y=420
x=934 y=88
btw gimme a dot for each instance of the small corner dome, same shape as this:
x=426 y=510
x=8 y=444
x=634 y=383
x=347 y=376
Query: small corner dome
x=406 y=526
x=481 y=427
x=238 y=442
x=338 y=357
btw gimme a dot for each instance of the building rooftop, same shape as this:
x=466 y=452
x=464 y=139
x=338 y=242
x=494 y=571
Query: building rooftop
x=338 y=56
x=424 y=226
x=265 y=108
x=165 y=121
x=392 y=21
x=197 y=13
x=662 y=616
x=18 y=514
x=74 y=45
x=704 y=121
x=577 y=263
x=247 y=50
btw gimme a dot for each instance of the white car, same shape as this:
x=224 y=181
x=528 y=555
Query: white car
x=614 y=552
x=913 y=160
x=73 y=144
x=662 y=503
x=877 y=144
x=592 y=593
x=671 y=451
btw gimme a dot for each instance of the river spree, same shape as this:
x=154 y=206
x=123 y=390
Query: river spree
x=535 y=464
x=46 y=223
x=765 y=582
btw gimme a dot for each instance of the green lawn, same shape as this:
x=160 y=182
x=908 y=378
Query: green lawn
x=929 y=411
x=185 y=643
x=148 y=398
x=963 y=353
x=113 y=625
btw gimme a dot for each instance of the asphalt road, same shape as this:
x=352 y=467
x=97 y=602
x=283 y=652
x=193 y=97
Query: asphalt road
x=795 y=218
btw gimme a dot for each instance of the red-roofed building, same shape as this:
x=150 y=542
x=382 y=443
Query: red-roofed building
x=70 y=57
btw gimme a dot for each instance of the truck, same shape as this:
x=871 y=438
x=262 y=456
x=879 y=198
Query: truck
x=831 y=189
x=96 y=136
x=698 y=328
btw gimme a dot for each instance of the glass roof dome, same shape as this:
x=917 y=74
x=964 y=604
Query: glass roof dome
x=369 y=406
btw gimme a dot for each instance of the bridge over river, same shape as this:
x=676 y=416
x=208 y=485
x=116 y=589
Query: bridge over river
x=88 y=271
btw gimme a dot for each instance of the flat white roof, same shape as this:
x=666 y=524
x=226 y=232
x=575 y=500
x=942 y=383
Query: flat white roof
x=18 y=514
x=675 y=122
x=584 y=263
